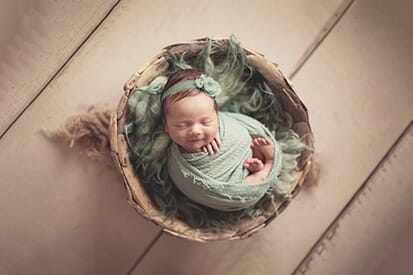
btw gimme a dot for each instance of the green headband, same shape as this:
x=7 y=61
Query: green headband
x=204 y=83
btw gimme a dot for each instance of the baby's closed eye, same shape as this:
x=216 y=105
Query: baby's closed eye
x=181 y=125
x=208 y=122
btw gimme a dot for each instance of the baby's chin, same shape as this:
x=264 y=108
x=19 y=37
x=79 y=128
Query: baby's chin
x=191 y=149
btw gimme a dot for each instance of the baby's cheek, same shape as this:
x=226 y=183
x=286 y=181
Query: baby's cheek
x=211 y=136
x=176 y=137
x=181 y=137
x=214 y=132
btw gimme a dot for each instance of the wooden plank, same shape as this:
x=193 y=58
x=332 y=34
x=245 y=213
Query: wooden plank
x=372 y=235
x=37 y=38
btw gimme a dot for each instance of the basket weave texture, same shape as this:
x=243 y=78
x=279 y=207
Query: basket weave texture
x=138 y=197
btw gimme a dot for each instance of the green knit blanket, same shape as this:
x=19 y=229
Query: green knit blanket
x=217 y=180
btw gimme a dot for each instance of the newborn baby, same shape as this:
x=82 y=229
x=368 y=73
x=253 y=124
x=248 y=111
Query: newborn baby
x=191 y=119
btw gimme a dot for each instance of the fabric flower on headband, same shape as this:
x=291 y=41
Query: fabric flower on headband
x=209 y=85
x=204 y=83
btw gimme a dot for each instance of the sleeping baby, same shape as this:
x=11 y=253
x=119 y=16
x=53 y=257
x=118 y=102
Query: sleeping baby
x=214 y=153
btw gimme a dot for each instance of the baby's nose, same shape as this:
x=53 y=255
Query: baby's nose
x=195 y=131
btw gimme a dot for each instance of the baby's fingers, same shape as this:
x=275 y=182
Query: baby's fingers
x=210 y=149
x=207 y=149
x=218 y=141
x=215 y=146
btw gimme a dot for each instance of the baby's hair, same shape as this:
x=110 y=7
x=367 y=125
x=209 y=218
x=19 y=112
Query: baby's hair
x=181 y=75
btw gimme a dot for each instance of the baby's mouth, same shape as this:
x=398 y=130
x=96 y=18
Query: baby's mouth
x=195 y=140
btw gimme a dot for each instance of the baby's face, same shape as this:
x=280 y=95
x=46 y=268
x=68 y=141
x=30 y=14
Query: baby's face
x=191 y=122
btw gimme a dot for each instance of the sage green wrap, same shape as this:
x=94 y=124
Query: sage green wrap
x=217 y=180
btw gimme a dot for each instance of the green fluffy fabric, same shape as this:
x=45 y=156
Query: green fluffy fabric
x=245 y=92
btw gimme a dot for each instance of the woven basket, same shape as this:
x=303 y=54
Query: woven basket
x=137 y=194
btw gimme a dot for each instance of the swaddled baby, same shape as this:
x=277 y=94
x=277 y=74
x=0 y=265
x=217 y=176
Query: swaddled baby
x=219 y=159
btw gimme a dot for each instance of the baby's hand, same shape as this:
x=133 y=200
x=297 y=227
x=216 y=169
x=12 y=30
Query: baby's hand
x=213 y=146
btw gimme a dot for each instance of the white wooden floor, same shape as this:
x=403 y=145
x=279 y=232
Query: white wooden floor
x=64 y=214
